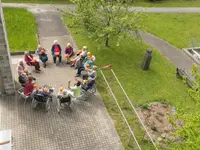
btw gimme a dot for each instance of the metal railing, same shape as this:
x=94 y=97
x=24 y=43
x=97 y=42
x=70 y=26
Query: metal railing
x=134 y=109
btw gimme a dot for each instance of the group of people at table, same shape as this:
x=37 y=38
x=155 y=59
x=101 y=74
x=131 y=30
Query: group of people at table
x=82 y=60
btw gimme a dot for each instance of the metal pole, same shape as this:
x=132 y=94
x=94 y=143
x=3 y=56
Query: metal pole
x=134 y=110
x=121 y=112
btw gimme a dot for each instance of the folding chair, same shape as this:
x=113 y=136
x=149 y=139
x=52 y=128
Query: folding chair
x=22 y=95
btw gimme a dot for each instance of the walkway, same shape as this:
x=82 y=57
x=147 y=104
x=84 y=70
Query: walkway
x=87 y=127
x=175 y=55
x=53 y=7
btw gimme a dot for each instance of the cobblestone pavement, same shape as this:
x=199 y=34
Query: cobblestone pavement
x=86 y=127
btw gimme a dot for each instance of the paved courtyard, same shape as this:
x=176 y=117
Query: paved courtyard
x=87 y=127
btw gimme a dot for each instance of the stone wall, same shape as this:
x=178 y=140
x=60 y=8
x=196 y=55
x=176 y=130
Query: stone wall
x=6 y=78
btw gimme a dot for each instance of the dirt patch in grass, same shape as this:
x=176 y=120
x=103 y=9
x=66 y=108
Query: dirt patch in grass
x=155 y=118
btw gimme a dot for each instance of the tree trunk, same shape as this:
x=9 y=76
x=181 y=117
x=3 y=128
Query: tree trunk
x=107 y=39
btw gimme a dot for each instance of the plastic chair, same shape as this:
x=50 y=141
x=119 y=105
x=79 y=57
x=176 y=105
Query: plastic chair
x=22 y=95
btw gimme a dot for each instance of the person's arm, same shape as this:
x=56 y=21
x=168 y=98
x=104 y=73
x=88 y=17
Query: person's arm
x=52 y=50
x=71 y=51
x=60 y=48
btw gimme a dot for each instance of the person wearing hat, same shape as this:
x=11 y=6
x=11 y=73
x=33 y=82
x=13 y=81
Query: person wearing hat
x=56 y=52
x=68 y=52
x=42 y=53
x=30 y=61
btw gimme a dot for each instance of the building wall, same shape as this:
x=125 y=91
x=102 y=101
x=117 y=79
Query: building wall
x=6 y=77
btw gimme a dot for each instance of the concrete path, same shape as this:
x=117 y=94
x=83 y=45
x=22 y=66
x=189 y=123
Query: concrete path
x=175 y=55
x=87 y=127
x=53 y=7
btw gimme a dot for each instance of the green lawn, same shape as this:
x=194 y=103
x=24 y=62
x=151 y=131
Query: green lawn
x=177 y=28
x=157 y=84
x=21 y=29
x=38 y=1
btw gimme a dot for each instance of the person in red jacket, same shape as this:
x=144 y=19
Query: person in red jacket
x=28 y=58
x=56 y=52
x=28 y=88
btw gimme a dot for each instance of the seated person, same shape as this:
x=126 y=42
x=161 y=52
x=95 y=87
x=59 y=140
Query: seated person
x=22 y=79
x=31 y=61
x=28 y=88
x=85 y=66
x=90 y=73
x=79 y=58
x=68 y=52
x=89 y=57
x=89 y=83
x=41 y=52
x=76 y=89
x=42 y=91
x=64 y=97
x=28 y=73
x=20 y=67
x=56 y=52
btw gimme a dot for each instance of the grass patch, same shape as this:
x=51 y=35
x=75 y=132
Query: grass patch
x=21 y=29
x=176 y=28
x=39 y=1
x=142 y=86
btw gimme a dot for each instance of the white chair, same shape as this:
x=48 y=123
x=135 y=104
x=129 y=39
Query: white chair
x=22 y=95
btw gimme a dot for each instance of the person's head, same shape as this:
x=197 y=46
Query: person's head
x=30 y=78
x=94 y=67
x=64 y=92
x=68 y=45
x=89 y=54
x=93 y=58
x=55 y=42
x=78 y=83
x=39 y=47
x=84 y=48
x=26 y=53
x=23 y=75
x=21 y=62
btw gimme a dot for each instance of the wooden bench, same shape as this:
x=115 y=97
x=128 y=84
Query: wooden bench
x=5 y=140
x=181 y=73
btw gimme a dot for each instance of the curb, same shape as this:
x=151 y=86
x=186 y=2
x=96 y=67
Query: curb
x=21 y=53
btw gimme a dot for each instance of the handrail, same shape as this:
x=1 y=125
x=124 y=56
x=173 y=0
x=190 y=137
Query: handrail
x=134 y=110
x=121 y=111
